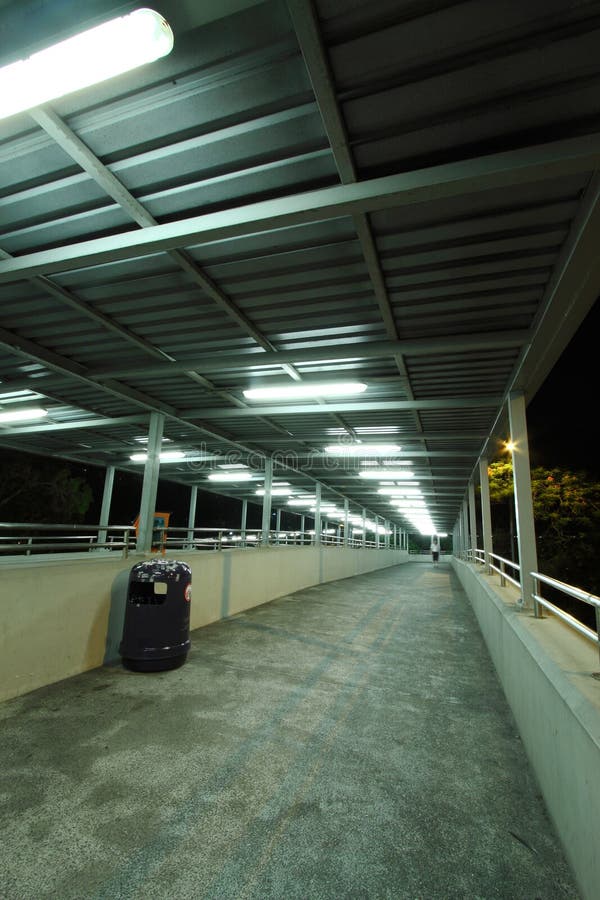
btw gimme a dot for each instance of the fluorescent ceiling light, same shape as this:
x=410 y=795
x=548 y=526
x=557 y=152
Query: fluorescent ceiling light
x=305 y=501
x=23 y=415
x=363 y=450
x=275 y=492
x=399 y=491
x=85 y=59
x=300 y=391
x=385 y=473
x=232 y=466
x=167 y=456
x=230 y=476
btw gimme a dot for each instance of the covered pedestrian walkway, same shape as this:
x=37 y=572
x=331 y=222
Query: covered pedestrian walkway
x=348 y=741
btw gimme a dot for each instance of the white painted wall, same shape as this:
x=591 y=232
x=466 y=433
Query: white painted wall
x=64 y=616
x=546 y=672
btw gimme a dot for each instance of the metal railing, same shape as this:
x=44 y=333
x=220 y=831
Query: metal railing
x=539 y=602
x=25 y=539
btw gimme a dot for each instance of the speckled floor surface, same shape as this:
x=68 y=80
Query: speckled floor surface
x=349 y=741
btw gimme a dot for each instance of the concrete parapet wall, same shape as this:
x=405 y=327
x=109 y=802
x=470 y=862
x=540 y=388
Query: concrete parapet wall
x=546 y=672
x=62 y=616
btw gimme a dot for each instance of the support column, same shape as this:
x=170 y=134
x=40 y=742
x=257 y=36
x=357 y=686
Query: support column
x=486 y=514
x=364 y=518
x=346 y=513
x=302 y=528
x=472 y=515
x=266 y=510
x=244 y=521
x=192 y=514
x=386 y=538
x=523 y=498
x=109 y=480
x=318 y=513
x=278 y=523
x=150 y=483
x=465 y=520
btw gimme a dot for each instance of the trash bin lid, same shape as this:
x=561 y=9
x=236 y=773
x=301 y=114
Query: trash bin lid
x=161 y=569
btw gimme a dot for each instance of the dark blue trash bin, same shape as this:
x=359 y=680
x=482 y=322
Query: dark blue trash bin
x=156 y=631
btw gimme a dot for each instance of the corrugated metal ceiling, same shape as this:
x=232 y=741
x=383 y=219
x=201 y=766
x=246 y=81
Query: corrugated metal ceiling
x=233 y=191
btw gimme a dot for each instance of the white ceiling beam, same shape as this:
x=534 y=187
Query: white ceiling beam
x=499 y=170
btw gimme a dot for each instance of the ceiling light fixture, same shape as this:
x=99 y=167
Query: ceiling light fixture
x=302 y=391
x=380 y=474
x=167 y=456
x=230 y=476
x=23 y=415
x=85 y=59
x=362 y=450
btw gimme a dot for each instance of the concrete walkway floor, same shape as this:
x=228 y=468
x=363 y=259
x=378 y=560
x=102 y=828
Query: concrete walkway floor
x=349 y=741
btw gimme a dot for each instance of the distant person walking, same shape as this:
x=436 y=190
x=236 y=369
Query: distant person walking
x=435 y=549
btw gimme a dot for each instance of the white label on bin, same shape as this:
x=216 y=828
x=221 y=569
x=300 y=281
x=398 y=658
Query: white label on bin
x=161 y=587
x=188 y=592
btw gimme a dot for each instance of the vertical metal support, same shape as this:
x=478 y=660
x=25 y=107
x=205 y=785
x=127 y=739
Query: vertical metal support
x=364 y=535
x=386 y=537
x=346 y=514
x=192 y=516
x=150 y=483
x=318 y=513
x=244 y=522
x=467 y=537
x=278 y=523
x=473 y=516
x=377 y=532
x=266 y=510
x=109 y=480
x=523 y=498
x=486 y=514
x=302 y=528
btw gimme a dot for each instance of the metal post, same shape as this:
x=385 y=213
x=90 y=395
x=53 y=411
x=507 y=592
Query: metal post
x=467 y=537
x=192 y=516
x=523 y=499
x=244 y=522
x=150 y=483
x=473 y=515
x=109 y=480
x=318 y=513
x=364 y=518
x=486 y=514
x=266 y=510
x=278 y=524
x=346 y=513
x=302 y=528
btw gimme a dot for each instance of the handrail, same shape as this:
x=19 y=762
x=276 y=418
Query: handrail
x=539 y=602
x=26 y=538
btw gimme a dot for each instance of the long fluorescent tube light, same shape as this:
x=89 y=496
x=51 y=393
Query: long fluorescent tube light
x=301 y=391
x=275 y=492
x=23 y=415
x=84 y=59
x=362 y=449
x=167 y=456
x=230 y=476
x=382 y=474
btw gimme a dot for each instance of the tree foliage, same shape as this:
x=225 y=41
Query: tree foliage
x=41 y=491
x=566 y=508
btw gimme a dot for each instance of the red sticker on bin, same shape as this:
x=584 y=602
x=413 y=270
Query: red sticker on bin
x=188 y=593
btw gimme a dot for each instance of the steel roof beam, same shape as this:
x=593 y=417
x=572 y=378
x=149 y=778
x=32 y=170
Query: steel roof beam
x=357 y=406
x=456 y=344
x=499 y=170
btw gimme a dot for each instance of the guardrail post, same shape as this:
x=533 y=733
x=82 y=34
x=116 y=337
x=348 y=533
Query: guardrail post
x=537 y=590
x=502 y=570
x=220 y=541
x=597 y=611
x=126 y=544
